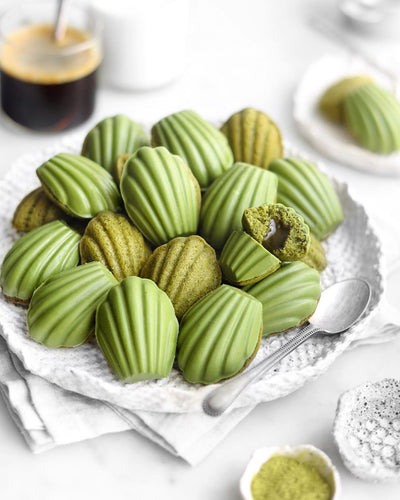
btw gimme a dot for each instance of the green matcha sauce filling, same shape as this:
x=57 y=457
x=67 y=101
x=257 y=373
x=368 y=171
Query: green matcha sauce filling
x=276 y=236
x=285 y=478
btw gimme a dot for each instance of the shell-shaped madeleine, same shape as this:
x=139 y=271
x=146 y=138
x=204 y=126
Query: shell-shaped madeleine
x=137 y=330
x=35 y=256
x=186 y=268
x=316 y=256
x=305 y=188
x=62 y=310
x=35 y=210
x=372 y=116
x=289 y=296
x=111 y=137
x=161 y=196
x=203 y=147
x=331 y=102
x=253 y=137
x=243 y=260
x=241 y=187
x=111 y=239
x=219 y=335
x=80 y=186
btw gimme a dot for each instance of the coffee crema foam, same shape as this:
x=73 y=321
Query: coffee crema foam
x=31 y=54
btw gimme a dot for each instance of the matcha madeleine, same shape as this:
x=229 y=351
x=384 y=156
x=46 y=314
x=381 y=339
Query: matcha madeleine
x=112 y=240
x=253 y=137
x=186 y=268
x=219 y=335
x=316 y=256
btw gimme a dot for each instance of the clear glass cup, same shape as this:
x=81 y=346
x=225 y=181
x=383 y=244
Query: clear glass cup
x=46 y=84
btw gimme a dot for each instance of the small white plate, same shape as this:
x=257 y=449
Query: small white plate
x=332 y=139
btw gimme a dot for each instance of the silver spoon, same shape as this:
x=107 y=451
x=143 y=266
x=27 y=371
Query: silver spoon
x=60 y=25
x=339 y=307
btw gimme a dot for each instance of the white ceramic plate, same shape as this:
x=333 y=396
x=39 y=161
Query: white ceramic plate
x=353 y=250
x=329 y=138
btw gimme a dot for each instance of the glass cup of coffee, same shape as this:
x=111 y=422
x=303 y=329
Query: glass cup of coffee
x=48 y=84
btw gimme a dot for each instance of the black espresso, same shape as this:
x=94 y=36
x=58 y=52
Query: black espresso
x=43 y=87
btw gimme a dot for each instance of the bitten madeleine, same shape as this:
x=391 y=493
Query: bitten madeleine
x=112 y=240
x=253 y=137
x=81 y=187
x=112 y=137
x=186 y=268
x=219 y=335
x=305 y=188
x=35 y=210
x=137 y=330
x=203 y=147
x=35 y=256
x=62 y=310
x=161 y=196
x=289 y=296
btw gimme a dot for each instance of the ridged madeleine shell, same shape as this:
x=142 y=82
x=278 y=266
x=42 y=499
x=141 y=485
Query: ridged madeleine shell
x=219 y=335
x=203 y=147
x=372 y=116
x=111 y=239
x=137 y=330
x=78 y=185
x=289 y=296
x=35 y=256
x=186 y=268
x=306 y=189
x=243 y=260
x=161 y=196
x=62 y=310
x=35 y=210
x=253 y=137
x=241 y=187
x=111 y=137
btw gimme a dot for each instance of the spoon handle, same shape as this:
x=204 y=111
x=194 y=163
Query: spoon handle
x=218 y=400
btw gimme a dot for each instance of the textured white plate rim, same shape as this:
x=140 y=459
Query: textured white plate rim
x=329 y=138
x=166 y=396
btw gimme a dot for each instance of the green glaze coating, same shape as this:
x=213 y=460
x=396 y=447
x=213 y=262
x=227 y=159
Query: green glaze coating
x=137 y=330
x=241 y=187
x=253 y=137
x=219 y=335
x=305 y=188
x=62 y=309
x=111 y=137
x=372 y=116
x=161 y=196
x=203 y=147
x=186 y=268
x=35 y=256
x=80 y=186
x=295 y=240
x=316 y=257
x=243 y=260
x=289 y=296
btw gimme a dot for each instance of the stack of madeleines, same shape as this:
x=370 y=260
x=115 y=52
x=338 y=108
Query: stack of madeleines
x=188 y=246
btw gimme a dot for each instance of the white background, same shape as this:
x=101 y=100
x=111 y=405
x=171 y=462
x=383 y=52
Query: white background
x=241 y=53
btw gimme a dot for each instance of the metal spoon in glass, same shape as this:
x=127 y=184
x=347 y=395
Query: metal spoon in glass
x=340 y=306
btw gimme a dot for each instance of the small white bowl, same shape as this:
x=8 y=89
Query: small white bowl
x=367 y=430
x=305 y=453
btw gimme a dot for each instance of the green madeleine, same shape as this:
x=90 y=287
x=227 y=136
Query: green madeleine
x=80 y=186
x=112 y=137
x=243 y=260
x=316 y=256
x=219 y=335
x=305 y=188
x=35 y=256
x=289 y=296
x=203 y=147
x=372 y=116
x=161 y=196
x=241 y=187
x=137 y=330
x=62 y=310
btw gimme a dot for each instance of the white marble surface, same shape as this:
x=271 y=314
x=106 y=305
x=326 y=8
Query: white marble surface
x=240 y=53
